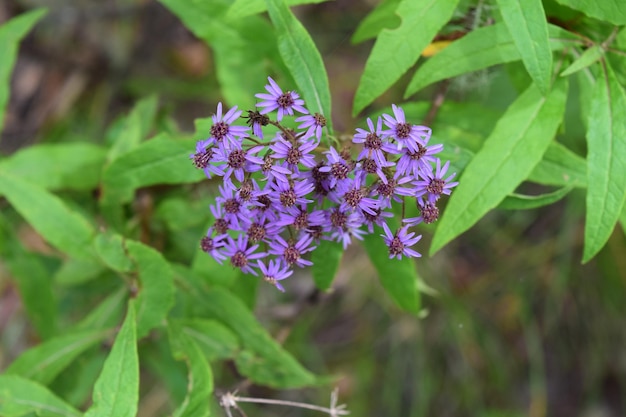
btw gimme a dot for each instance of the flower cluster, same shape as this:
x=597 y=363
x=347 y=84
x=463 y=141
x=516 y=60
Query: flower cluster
x=283 y=192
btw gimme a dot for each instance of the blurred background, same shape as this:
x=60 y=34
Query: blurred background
x=512 y=323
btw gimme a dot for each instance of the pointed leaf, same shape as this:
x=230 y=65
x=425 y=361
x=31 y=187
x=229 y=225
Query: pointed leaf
x=606 y=166
x=214 y=339
x=383 y=16
x=44 y=362
x=136 y=127
x=527 y=25
x=397 y=50
x=613 y=11
x=301 y=56
x=326 y=259
x=508 y=156
x=242 y=8
x=590 y=56
x=106 y=314
x=11 y=33
x=560 y=167
x=116 y=393
x=526 y=202
x=49 y=215
x=481 y=48
x=21 y=397
x=200 y=382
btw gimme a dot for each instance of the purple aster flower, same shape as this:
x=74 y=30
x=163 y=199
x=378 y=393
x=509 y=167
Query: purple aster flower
x=399 y=243
x=429 y=213
x=241 y=254
x=221 y=225
x=355 y=199
x=235 y=210
x=203 y=157
x=392 y=190
x=210 y=244
x=411 y=163
x=285 y=103
x=293 y=153
x=300 y=218
x=373 y=144
x=249 y=191
x=290 y=252
x=222 y=128
x=337 y=167
x=256 y=121
x=274 y=272
x=369 y=166
x=376 y=219
x=271 y=169
x=434 y=184
x=238 y=160
x=405 y=134
x=286 y=195
x=313 y=123
x=344 y=226
x=259 y=228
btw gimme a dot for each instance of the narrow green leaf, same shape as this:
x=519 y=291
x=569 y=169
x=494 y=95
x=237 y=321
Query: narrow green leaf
x=243 y=8
x=74 y=166
x=161 y=160
x=215 y=340
x=49 y=215
x=606 y=166
x=266 y=362
x=301 y=56
x=529 y=29
x=560 y=167
x=514 y=148
x=527 y=202
x=44 y=362
x=11 y=33
x=398 y=277
x=325 y=260
x=382 y=17
x=156 y=294
x=116 y=393
x=20 y=397
x=77 y=271
x=396 y=50
x=590 y=56
x=111 y=249
x=481 y=48
x=200 y=382
x=106 y=314
x=613 y=11
x=136 y=127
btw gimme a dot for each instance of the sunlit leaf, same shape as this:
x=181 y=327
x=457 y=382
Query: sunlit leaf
x=528 y=27
x=116 y=392
x=514 y=148
x=21 y=397
x=301 y=56
x=613 y=11
x=525 y=202
x=396 y=50
x=590 y=56
x=606 y=140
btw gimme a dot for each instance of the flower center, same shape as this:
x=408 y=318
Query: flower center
x=403 y=130
x=219 y=130
x=201 y=159
x=237 y=159
x=435 y=186
x=396 y=246
x=373 y=141
x=285 y=100
x=239 y=259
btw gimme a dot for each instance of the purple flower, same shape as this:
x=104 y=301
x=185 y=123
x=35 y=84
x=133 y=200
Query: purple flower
x=210 y=245
x=373 y=144
x=391 y=191
x=400 y=242
x=433 y=184
x=411 y=163
x=337 y=167
x=222 y=128
x=203 y=159
x=241 y=254
x=256 y=121
x=300 y=218
x=235 y=209
x=286 y=102
x=344 y=226
x=291 y=252
x=274 y=272
x=429 y=213
x=405 y=134
x=354 y=199
x=376 y=219
x=238 y=160
x=313 y=123
x=271 y=170
x=286 y=195
x=293 y=153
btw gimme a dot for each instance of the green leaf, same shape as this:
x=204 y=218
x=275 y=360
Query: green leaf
x=606 y=166
x=529 y=29
x=78 y=271
x=20 y=397
x=397 y=276
x=590 y=56
x=111 y=249
x=106 y=314
x=161 y=160
x=526 y=202
x=243 y=8
x=11 y=33
x=200 y=381
x=49 y=215
x=325 y=260
x=116 y=393
x=560 y=167
x=396 y=50
x=481 y=48
x=382 y=17
x=514 y=148
x=214 y=339
x=613 y=11
x=156 y=294
x=301 y=56
x=265 y=362
x=44 y=362
x=136 y=127
x=75 y=166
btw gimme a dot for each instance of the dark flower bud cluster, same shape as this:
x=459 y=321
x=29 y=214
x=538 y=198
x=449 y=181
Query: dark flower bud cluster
x=282 y=194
